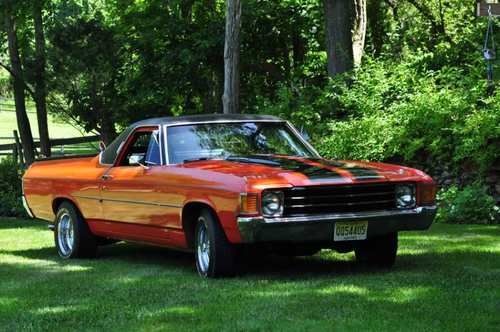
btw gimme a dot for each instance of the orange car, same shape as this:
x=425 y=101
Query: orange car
x=215 y=184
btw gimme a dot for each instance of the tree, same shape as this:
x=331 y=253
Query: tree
x=375 y=22
x=40 y=92
x=359 y=31
x=18 y=85
x=230 y=99
x=339 y=16
x=85 y=57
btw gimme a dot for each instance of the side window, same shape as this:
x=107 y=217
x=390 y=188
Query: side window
x=144 y=148
x=109 y=155
x=153 y=153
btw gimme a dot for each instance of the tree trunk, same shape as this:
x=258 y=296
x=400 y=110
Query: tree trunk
x=230 y=98
x=339 y=16
x=23 y=122
x=107 y=129
x=39 y=74
x=375 y=20
x=359 y=31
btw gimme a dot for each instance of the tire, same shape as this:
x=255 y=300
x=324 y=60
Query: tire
x=72 y=235
x=380 y=251
x=215 y=256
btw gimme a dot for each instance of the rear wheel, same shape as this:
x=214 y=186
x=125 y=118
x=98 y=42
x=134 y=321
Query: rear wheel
x=215 y=256
x=380 y=251
x=72 y=235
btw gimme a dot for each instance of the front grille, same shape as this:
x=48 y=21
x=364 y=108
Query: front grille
x=339 y=199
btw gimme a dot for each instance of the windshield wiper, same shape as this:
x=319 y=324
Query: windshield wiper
x=252 y=159
x=189 y=160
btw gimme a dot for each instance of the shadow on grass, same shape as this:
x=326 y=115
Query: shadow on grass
x=435 y=248
x=13 y=223
x=309 y=291
x=267 y=266
x=436 y=284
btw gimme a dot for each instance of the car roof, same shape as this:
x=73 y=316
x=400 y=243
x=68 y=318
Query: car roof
x=204 y=118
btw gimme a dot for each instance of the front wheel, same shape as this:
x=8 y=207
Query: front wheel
x=215 y=256
x=72 y=235
x=380 y=251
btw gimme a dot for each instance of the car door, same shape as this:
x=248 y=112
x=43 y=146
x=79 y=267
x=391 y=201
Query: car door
x=133 y=202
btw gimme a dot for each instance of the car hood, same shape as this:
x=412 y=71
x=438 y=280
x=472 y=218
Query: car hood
x=272 y=171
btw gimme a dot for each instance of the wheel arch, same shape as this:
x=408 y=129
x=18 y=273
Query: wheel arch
x=190 y=212
x=56 y=203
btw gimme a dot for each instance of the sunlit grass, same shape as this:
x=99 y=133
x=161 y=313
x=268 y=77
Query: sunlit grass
x=57 y=129
x=447 y=279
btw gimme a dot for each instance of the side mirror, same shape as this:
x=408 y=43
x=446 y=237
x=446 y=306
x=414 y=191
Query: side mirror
x=102 y=146
x=135 y=159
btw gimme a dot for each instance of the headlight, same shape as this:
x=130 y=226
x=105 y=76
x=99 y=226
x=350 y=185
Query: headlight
x=272 y=203
x=405 y=196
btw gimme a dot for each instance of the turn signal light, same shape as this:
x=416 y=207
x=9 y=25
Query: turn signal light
x=427 y=194
x=248 y=203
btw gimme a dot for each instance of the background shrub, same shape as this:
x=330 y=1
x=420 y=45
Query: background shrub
x=470 y=205
x=11 y=191
x=389 y=111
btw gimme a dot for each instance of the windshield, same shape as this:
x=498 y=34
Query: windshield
x=223 y=140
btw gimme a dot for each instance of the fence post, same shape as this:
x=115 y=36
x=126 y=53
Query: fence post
x=14 y=153
x=19 y=148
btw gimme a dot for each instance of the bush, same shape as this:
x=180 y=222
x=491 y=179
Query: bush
x=470 y=205
x=10 y=194
x=389 y=111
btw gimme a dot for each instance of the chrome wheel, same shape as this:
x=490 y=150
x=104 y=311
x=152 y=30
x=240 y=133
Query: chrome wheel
x=65 y=234
x=203 y=246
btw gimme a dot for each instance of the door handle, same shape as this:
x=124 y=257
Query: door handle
x=106 y=177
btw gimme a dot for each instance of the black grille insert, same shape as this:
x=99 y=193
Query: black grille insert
x=339 y=199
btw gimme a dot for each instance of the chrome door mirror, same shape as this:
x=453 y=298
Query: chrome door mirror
x=102 y=146
x=136 y=159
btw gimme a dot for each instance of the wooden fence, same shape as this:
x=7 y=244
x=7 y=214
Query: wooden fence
x=14 y=148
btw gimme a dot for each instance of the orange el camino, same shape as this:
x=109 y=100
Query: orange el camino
x=218 y=184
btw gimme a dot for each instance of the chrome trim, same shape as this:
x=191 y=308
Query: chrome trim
x=175 y=124
x=166 y=145
x=187 y=123
x=100 y=159
x=65 y=235
x=25 y=202
x=26 y=207
x=413 y=187
x=126 y=139
x=128 y=201
x=337 y=216
x=320 y=228
x=303 y=140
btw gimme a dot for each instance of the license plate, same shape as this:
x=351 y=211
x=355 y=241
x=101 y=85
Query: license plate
x=350 y=231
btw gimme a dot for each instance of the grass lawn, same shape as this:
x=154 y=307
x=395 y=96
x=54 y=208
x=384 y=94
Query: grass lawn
x=57 y=129
x=447 y=279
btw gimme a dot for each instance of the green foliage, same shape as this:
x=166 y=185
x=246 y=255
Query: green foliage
x=419 y=96
x=10 y=195
x=392 y=112
x=470 y=205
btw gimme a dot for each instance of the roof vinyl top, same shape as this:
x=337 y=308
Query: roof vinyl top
x=186 y=119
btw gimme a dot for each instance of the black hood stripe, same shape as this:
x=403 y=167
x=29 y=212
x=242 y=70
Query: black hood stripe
x=321 y=170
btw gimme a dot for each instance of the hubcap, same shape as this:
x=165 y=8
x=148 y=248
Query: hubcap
x=65 y=234
x=203 y=247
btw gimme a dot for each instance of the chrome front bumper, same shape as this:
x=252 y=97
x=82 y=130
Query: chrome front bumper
x=320 y=228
